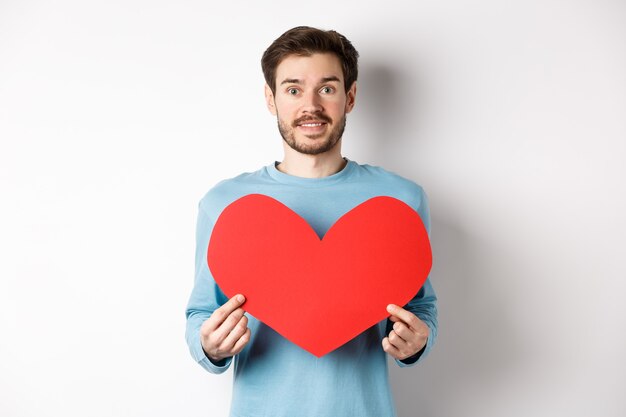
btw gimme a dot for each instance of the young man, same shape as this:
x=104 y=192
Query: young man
x=311 y=86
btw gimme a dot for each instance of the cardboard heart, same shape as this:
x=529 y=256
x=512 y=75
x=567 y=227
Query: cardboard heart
x=319 y=294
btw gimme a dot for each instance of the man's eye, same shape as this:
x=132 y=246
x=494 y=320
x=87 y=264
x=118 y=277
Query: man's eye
x=292 y=91
x=327 y=90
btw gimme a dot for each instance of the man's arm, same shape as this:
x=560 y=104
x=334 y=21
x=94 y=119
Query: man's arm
x=216 y=327
x=412 y=330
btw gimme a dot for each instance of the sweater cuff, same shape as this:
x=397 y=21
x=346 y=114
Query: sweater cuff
x=412 y=360
x=208 y=364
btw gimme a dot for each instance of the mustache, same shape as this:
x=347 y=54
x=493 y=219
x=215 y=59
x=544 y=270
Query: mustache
x=315 y=117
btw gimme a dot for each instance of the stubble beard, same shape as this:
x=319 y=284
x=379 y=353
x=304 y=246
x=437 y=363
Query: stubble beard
x=289 y=136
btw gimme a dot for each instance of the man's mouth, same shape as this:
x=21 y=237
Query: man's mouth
x=316 y=120
x=312 y=129
x=312 y=126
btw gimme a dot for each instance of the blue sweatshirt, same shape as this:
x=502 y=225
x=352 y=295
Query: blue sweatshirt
x=272 y=376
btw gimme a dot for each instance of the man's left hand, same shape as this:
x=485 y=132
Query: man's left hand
x=409 y=334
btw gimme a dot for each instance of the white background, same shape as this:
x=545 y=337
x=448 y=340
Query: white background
x=117 y=116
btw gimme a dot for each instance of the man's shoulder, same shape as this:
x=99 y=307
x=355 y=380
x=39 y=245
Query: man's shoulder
x=389 y=179
x=230 y=189
x=385 y=182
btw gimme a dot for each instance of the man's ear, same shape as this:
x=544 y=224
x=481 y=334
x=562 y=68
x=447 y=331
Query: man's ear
x=351 y=98
x=269 y=100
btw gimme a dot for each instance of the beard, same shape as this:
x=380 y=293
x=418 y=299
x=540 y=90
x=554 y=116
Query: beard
x=321 y=145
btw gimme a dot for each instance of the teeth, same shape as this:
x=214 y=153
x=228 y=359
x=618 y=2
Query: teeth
x=311 y=124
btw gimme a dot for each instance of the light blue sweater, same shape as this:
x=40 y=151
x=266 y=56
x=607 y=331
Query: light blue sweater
x=272 y=376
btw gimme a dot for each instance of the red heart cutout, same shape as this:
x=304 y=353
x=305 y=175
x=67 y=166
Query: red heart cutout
x=319 y=294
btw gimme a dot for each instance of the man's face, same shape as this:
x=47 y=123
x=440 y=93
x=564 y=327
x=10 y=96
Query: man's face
x=310 y=102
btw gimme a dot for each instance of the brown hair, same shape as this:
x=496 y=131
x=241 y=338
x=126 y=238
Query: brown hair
x=305 y=41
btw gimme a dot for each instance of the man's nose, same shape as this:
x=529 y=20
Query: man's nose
x=312 y=102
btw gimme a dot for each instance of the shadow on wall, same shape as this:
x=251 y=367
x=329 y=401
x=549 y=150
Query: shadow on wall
x=389 y=105
x=476 y=344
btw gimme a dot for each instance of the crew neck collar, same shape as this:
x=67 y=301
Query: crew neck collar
x=310 y=182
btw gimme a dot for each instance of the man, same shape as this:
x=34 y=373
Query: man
x=311 y=86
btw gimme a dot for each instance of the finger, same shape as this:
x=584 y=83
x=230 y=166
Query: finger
x=406 y=316
x=242 y=342
x=235 y=334
x=222 y=313
x=227 y=325
x=397 y=341
x=403 y=331
x=390 y=349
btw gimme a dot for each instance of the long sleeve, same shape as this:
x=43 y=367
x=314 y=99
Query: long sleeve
x=424 y=304
x=205 y=297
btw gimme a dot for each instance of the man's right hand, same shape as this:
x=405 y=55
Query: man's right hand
x=226 y=332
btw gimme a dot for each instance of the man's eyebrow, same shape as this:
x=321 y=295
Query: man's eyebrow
x=297 y=81
x=291 y=81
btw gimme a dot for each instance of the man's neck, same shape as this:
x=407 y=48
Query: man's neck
x=312 y=166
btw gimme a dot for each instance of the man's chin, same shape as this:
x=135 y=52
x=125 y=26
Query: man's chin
x=318 y=147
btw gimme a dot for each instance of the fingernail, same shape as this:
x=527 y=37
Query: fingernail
x=390 y=308
x=240 y=298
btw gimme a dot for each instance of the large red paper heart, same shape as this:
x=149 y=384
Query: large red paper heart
x=319 y=294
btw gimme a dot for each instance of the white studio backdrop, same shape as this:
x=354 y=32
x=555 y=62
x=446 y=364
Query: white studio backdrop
x=117 y=116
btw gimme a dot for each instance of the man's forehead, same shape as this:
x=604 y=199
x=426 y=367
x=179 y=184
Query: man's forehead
x=318 y=67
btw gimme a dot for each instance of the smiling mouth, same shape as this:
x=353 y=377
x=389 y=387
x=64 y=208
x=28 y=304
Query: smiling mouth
x=312 y=130
x=312 y=121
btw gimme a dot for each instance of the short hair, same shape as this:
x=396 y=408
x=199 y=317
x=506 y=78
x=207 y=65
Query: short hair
x=305 y=41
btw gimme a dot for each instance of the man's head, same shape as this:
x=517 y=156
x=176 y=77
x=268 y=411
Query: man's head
x=311 y=85
x=306 y=41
